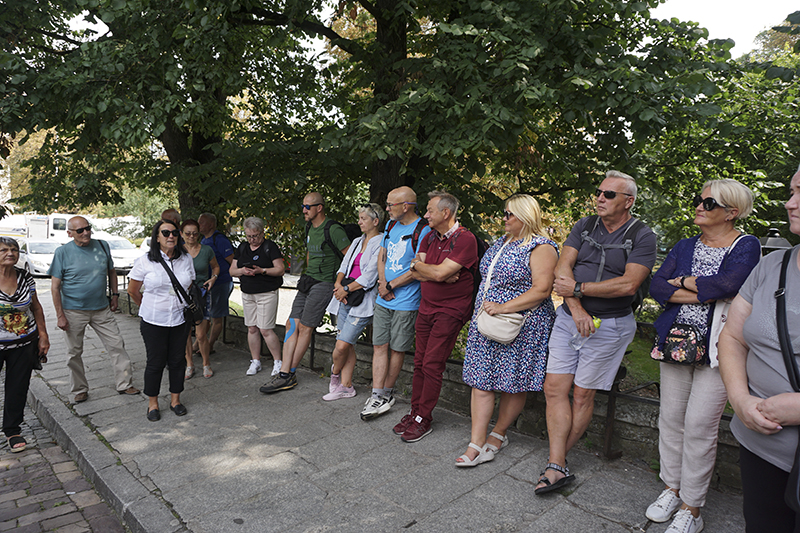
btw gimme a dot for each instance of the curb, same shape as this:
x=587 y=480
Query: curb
x=138 y=508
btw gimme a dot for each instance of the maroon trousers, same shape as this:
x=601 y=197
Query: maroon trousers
x=436 y=337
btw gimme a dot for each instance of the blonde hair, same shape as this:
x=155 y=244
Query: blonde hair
x=732 y=194
x=374 y=211
x=527 y=210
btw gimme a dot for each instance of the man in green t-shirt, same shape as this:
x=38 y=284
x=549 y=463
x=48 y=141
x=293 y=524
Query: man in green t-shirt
x=313 y=291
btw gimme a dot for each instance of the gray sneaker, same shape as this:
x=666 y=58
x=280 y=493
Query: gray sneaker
x=375 y=407
x=279 y=383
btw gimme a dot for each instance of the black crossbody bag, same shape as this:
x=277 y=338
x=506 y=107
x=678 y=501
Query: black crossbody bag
x=792 y=494
x=193 y=310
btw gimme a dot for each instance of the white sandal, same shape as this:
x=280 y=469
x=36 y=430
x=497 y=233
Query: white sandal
x=484 y=456
x=503 y=442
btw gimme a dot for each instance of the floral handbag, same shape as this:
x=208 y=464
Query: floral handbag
x=684 y=345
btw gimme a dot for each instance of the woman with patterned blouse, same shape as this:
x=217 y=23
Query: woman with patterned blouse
x=23 y=338
x=521 y=282
x=697 y=275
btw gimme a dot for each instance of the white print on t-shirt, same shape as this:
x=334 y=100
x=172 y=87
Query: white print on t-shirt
x=394 y=253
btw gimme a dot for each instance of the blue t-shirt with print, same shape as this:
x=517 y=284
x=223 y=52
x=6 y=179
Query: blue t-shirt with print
x=399 y=253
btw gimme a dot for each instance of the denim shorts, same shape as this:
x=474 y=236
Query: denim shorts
x=350 y=327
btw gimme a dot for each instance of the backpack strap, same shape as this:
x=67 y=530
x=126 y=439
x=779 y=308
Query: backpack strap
x=421 y=224
x=327 y=236
x=626 y=246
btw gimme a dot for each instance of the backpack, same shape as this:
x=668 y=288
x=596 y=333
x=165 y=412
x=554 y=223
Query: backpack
x=351 y=230
x=421 y=225
x=627 y=245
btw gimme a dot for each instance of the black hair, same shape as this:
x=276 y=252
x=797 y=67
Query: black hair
x=154 y=254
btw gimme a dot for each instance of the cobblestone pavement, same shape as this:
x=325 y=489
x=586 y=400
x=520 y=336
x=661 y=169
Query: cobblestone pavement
x=41 y=488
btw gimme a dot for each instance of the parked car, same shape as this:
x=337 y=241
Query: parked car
x=36 y=255
x=123 y=251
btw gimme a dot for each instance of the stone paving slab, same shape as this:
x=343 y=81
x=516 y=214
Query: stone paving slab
x=247 y=462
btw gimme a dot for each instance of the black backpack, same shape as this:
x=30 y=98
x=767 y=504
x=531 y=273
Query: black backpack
x=351 y=230
x=627 y=245
x=421 y=225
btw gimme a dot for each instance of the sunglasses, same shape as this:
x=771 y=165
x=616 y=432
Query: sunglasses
x=167 y=233
x=507 y=214
x=308 y=206
x=191 y=233
x=610 y=195
x=81 y=230
x=369 y=207
x=709 y=204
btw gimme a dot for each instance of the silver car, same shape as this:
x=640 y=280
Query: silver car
x=36 y=255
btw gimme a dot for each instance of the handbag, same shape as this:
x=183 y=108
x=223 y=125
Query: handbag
x=684 y=345
x=305 y=283
x=193 y=302
x=502 y=327
x=354 y=298
x=792 y=494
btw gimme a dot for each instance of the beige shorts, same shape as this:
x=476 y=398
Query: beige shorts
x=260 y=309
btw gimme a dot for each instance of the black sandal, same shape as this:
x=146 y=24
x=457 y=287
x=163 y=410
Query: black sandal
x=14 y=441
x=548 y=485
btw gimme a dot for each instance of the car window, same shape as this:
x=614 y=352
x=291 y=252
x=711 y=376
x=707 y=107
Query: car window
x=44 y=247
x=120 y=244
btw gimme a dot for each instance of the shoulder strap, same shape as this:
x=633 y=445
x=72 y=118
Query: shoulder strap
x=108 y=255
x=421 y=223
x=785 y=339
x=175 y=285
x=491 y=268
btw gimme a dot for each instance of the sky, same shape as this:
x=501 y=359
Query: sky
x=740 y=20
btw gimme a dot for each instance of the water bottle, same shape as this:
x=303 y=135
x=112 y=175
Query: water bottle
x=577 y=341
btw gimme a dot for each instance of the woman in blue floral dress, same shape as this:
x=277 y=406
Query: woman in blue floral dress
x=521 y=281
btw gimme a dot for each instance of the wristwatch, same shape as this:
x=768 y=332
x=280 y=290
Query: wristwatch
x=576 y=292
x=346 y=288
x=389 y=286
x=114 y=294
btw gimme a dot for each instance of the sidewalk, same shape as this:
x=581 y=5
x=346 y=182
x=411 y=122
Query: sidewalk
x=241 y=461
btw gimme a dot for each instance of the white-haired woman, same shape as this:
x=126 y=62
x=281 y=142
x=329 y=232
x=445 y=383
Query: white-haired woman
x=358 y=271
x=521 y=282
x=697 y=275
x=258 y=263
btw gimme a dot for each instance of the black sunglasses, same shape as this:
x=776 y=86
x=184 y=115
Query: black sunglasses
x=709 y=204
x=167 y=233
x=610 y=195
x=81 y=230
x=308 y=206
x=507 y=214
x=371 y=210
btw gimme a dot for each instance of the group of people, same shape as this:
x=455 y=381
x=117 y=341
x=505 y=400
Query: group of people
x=416 y=283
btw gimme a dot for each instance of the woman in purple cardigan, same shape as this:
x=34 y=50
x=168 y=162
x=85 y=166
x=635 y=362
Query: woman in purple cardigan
x=699 y=275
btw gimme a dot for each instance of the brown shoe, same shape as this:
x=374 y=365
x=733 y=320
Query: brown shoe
x=81 y=397
x=129 y=390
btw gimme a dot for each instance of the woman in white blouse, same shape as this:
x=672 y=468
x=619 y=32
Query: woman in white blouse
x=359 y=270
x=163 y=326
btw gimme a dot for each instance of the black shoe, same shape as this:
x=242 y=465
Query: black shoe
x=178 y=409
x=153 y=415
x=283 y=381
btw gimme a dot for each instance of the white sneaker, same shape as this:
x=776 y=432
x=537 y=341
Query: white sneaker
x=685 y=523
x=376 y=407
x=340 y=392
x=255 y=367
x=276 y=368
x=664 y=507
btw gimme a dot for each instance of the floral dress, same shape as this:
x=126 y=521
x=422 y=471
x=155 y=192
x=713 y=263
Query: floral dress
x=519 y=366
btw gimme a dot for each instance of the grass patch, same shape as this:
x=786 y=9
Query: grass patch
x=641 y=367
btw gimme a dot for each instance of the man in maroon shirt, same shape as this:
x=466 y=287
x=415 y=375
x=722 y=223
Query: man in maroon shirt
x=443 y=265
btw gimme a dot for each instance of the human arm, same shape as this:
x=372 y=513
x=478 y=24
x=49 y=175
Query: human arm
x=135 y=290
x=214 y=273
x=564 y=285
x=542 y=261
x=733 y=370
x=55 y=291
x=38 y=315
x=112 y=280
x=235 y=271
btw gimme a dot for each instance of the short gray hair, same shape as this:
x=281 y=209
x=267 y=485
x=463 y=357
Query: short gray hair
x=254 y=223
x=210 y=216
x=446 y=201
x=630 y=182
x=8 y=241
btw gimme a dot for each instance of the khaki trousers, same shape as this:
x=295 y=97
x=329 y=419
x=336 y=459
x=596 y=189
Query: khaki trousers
x=105 y=326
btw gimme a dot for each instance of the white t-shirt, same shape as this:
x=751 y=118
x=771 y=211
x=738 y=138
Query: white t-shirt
x=161 y=306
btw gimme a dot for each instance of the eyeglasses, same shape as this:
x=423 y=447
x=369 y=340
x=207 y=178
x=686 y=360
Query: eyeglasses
x=388 y=205
x=167 y=233
x=81 y=230
x=252 y=237
x=507 y=214
x=709 y=204
x=191 y=233
x=610 y=195
x=308 y=206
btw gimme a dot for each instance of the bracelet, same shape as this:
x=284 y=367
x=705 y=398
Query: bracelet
x=683 y=282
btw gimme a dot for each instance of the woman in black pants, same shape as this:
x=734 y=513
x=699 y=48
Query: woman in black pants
x=163 y=326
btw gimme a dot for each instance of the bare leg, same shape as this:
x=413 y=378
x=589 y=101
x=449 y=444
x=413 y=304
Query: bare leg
x=152 y=403
x=339 y=356
x=511 y=406
x=481 y=409
x=175 y=399
x=254 y=342
x=189 y=362
x=559 y=420
x=303 y=342
x=582 y=408
x=216 y=330
x=395 y=366
x=201 y=333
x=380 y=365
x=290 y=341
x=349 y=366
x=273 y=343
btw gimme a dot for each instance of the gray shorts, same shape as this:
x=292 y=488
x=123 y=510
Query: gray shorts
x=395 y=328
x=310 y=308
x=595 y=365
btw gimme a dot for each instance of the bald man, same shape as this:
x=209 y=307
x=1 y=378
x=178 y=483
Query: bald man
x=398 y=298
x=172 y=215
x=314 y=290
x=80 y=272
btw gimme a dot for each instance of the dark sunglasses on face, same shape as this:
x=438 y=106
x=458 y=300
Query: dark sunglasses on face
x=81 y=230
x=167 y=233
x=610 y=195
x=507 y=214
x=308 y=206
x=709 y=204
